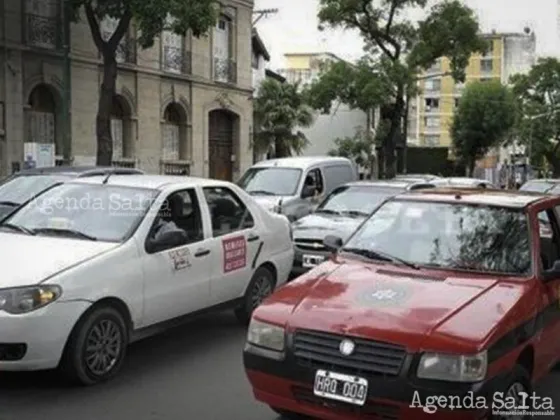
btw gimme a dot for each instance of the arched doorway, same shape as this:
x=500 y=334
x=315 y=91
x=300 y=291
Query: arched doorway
x=42 y=117
x=121 y=130
x=221 y=144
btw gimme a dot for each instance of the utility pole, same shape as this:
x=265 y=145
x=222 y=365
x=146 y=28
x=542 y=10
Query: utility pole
x=263 y=13
x=67 y=82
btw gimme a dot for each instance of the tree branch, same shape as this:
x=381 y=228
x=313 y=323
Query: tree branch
x=391 y=17
x=121 y=30
x=94 y=27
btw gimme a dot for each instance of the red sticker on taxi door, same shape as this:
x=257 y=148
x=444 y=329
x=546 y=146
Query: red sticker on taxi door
x=235 y=253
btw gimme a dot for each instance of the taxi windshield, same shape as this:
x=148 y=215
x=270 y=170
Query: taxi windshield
x=358 y=200
x=84 y=211
x=449 y=236
x=271 y=181
x=22 y=188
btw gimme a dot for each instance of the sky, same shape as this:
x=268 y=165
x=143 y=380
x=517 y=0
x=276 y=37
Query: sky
x=294 y=27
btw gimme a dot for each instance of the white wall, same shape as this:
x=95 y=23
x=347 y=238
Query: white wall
x=259 y=74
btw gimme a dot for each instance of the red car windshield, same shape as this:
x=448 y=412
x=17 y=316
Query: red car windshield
x=451 y=236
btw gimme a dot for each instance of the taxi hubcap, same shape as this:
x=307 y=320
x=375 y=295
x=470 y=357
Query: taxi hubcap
x=261 y=290
x=514 y=392
x=103 y=347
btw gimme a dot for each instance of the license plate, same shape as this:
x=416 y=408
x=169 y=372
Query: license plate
x=312 y=260
x=339 y=387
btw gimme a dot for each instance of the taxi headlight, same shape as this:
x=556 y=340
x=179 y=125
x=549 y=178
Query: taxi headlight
x=453 y=368
x=20 y=300
x=266 y=335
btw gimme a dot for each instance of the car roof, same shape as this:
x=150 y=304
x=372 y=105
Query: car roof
x=389 y=183
x=76 y=171
x=152 y=182
x=300 y=162
x=499 y=198
x=543 y=181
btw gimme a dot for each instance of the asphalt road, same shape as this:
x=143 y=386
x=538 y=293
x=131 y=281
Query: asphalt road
x=193 y=372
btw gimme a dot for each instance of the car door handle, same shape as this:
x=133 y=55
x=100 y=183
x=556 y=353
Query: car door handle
x=202 y=253
x=253 y=238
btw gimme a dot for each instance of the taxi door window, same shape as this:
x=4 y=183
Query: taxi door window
x=548 y=238
x=227 y=211
x=180 y=211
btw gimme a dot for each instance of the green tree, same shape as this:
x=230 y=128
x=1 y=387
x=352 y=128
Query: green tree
x=397 y=50
x=280 y=109
x=484 y=118
x=538 y=99
x=151 y=17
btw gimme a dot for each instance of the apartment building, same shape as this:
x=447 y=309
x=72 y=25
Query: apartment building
x=341 y=122
x=430 y=115
x=182 y=106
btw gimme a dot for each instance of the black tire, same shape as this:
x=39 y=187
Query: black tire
x=519 y=376
x=288 y=415
x=74 y=363
x=261 y=286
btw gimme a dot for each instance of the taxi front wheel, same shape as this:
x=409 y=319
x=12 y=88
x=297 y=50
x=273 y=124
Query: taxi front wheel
x=260 y=287
x=96 y=348
x=519 y=383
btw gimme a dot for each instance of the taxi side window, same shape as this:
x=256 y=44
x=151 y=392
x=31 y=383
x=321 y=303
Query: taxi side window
x=180 y=210
x=227 y=211
x=549 y=241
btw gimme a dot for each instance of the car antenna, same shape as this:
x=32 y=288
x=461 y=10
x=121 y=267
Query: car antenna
x=107 y=178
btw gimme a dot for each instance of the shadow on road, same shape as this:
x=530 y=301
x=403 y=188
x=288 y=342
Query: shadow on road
x=144 y=358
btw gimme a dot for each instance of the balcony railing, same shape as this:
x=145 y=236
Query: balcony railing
x=126 y=52
x=177 y=167
x=176 y=60
x=42 y=32
x=225 y=70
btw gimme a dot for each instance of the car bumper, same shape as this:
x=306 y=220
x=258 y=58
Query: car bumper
x=298 y=268
x=285 y=385
x=284 y=263
x=41 y=334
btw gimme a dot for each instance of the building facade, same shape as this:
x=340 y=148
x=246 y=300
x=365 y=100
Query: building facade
x=341 y=122
x=184 y=105
x=431 y=113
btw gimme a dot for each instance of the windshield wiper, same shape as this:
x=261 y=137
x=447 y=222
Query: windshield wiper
x=355 y=213
x=9 y=203
x=17 y=228
x=379 y=255
x=327 y=211
x=67 y=232
x=261 y=192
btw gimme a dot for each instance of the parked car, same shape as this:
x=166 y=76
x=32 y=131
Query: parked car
x=449 y=300
x=549 y=186
x=95 y=263
x=294 y=186
x=463 y=182
x=340 y=214
x=23 y=186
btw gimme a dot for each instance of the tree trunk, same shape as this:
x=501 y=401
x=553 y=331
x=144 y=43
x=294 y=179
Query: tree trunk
x=280 y=148
x=394 y=134
x=104 y=110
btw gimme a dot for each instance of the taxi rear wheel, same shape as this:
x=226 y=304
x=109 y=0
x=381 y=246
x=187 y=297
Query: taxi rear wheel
x=260 y=287
x=96 y=348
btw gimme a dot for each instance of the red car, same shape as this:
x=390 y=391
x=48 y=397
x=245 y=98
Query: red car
x=439 y=298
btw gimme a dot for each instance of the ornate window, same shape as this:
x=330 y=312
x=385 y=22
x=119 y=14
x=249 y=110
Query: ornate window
x=175 y=58
x=172 y=133
x=225 y=68
x=41 y=23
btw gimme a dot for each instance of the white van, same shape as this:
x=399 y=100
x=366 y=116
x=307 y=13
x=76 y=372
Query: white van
x=294 y=186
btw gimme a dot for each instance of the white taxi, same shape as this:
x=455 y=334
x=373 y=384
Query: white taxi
x=94 y=264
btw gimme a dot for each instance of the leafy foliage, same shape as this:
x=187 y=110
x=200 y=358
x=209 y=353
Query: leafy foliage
x=356 y=148
x=396 y=51
x=279 y=110
x=483 y=119
x=538 y=100
x=151 y=17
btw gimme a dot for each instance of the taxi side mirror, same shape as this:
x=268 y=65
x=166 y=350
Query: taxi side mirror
x=553 y=273
x=308 y=191
x=332 y=243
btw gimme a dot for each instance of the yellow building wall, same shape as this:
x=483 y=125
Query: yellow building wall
x=449 y=93
x=298 y=62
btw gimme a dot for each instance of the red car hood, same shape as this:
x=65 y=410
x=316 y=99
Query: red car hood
x=389 y=304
